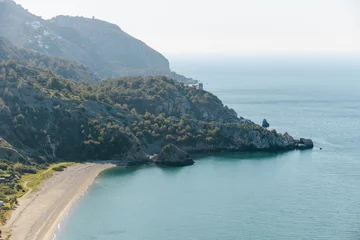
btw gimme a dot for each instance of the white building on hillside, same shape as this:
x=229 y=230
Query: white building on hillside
x=199 y=86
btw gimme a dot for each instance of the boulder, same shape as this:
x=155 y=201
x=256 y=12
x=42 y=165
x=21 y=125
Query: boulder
x=171 y=155
x=307 y=142
x=304 y=143
x=265 y=124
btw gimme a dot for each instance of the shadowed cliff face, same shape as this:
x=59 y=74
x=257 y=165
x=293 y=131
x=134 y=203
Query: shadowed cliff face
x=44 y=117
x=101 y=46
x=55 y=123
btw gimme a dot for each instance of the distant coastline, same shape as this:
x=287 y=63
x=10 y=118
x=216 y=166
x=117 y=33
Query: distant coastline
x=40 y=212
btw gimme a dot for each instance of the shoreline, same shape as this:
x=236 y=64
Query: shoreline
x=39 y=213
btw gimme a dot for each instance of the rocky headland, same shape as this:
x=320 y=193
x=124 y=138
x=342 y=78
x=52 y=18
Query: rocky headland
x=45 y=118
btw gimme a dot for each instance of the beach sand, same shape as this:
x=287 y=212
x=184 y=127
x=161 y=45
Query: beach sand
x=40 y=212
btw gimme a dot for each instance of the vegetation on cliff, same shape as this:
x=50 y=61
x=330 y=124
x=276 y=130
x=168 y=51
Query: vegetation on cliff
x=61 y=67
x=160 y=95
x=45 y=117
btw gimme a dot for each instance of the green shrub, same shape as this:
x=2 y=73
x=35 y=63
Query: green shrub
x=59 y=168
x=24 y=169
x=4 y=166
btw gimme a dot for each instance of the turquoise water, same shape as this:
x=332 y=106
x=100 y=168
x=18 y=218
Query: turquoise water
x=295 y=195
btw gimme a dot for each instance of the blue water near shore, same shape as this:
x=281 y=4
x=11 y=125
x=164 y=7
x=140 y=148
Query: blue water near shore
x=295 y=195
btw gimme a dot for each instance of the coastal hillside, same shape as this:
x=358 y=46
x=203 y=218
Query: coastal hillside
x=30 y=58
x=101 y=46
x=44 y=118
x=111 y=45
x=161 y=95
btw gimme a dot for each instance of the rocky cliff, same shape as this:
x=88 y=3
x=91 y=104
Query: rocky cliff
x=44 y=118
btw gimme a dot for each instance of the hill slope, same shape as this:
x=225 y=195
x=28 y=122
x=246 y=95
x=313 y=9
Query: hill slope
x=107 y=42
x=44 y=118
x=63 y=68
x=101 y=46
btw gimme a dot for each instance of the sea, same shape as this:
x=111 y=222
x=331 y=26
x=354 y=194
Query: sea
x=309 y=195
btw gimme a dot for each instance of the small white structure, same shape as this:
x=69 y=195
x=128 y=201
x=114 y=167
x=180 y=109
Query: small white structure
x=1 y=203
x=201 y=86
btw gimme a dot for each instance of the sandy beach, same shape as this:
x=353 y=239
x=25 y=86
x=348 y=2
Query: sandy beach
x=40 y=212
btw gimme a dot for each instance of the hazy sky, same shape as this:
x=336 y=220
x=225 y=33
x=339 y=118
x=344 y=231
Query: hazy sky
x=224 y=26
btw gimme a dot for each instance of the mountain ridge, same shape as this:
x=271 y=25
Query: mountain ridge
x=101 y=46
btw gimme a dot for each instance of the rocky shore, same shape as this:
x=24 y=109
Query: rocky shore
x=44 y=118
x=172 y=155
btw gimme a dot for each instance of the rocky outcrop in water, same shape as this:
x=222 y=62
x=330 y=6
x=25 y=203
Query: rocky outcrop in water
x=304 y=144
x=265 y=124
x=171 y=155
